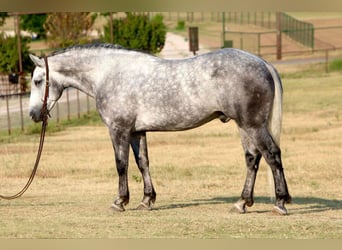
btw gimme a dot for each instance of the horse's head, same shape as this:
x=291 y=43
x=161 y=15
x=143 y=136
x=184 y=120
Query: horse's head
x=38 y=85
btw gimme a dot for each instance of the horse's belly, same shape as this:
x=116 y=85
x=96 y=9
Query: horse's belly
x=168 y=122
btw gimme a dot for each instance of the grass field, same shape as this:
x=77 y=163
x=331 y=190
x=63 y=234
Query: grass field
x=198 y=175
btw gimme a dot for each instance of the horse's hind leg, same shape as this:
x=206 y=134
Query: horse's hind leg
x=139 y=146
x=263 y=141
x=252 y=157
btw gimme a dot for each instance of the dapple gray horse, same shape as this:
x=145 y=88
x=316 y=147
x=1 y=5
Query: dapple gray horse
x=136 y=92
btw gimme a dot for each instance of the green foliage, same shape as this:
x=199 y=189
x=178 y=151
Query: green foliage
x=180 y=25
x=92 y=118
x=9 y=61
x=138 y=32
x=68 y=28
x=336 y=65
x=3 y=16
x=34 y=23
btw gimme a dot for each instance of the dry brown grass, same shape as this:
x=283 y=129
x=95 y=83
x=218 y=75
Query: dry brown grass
x=198 y=174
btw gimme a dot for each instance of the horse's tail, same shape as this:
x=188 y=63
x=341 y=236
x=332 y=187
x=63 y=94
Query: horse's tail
x=275 y=120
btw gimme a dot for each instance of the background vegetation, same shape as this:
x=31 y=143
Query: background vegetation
x=68 y=28
x=9 y=61
x=138 y=32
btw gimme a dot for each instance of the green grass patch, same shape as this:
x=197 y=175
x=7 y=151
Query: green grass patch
x=336 y=65
x=91 y=119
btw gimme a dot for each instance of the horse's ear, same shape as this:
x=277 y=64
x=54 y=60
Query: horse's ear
x=37 y=61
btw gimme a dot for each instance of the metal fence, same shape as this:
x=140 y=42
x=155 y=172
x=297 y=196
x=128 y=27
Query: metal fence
x=14 y=109
x=263 y=19
x=259 y=43
x=302 y=32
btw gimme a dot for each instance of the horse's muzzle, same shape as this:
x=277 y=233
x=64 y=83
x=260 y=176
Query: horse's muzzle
x=36 y=116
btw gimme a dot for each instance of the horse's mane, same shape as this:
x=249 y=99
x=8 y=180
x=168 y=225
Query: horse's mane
x=95 y=46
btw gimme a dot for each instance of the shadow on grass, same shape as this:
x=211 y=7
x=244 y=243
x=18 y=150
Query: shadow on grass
x=306 y=204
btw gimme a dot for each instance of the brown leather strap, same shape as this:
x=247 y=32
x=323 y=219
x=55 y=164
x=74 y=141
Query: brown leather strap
x=44 y=114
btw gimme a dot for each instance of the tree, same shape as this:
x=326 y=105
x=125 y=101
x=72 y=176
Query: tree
x=138 y=32
x=9 y=61
x=3 y=16
x=68 y=28
x=34 y=23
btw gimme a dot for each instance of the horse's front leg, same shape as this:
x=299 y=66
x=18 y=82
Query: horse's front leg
x=139 y=146
x=120 y=139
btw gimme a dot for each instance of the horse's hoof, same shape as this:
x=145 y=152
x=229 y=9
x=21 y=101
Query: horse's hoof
x=143 y=206
x=117 y=207
x=279 y=210
x=239 y=207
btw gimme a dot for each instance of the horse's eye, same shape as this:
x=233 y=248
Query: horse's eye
x=37 y=82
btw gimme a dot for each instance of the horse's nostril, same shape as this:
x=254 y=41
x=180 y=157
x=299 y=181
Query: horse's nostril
x=34 y=116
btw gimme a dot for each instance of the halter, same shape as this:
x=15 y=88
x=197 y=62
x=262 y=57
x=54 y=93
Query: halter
x=44 y=113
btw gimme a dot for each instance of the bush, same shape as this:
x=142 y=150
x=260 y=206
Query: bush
x=34 y=23
x=9 y=61
x=138 y=32
x=3 y=16
x=180 y=25
x=68 y=28
x=336 y=65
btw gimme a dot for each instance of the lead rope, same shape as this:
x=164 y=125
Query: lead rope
x=44 y=114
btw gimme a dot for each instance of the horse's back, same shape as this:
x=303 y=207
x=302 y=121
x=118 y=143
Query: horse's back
x=181 y=94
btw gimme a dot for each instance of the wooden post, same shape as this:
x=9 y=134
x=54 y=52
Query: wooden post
x=68 y=103
x=8 y=116
x=111 y=27
x=193 y=39
x=17 y=20
x=326 y=61
x=78 y=104
x=279 y=45
x=223 y=28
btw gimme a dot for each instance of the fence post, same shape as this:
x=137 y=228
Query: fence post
x=326 y=61
x=8 y=116
x=259 y=40
x=68 y=103
x=88 y=105
x=223 y=28
x=21 y=109
x=279 y=36
x=78 y=104
x=241 y=40
x=57 y=111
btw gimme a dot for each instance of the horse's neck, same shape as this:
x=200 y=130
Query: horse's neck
x=77 y=76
